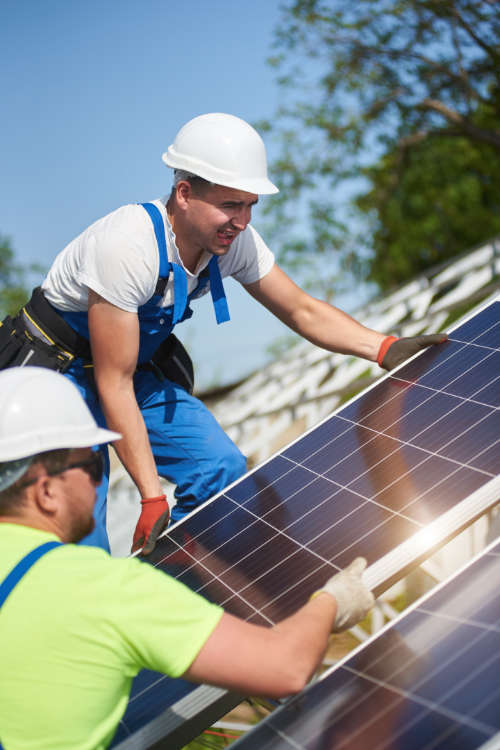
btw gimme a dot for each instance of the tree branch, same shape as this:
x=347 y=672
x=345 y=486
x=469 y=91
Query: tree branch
x=470 y=31
x=403 y=54
x=466 y=126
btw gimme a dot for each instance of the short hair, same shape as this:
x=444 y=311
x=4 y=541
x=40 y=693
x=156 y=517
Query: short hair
x=196 y=182
x=14 y=496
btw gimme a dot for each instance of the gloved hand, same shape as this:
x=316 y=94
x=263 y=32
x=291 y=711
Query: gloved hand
x=153 y=520
x=354 y=599
x=393 y=351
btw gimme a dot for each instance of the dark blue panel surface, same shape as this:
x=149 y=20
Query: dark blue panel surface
x=362 y=482
x=151 y=694
x=431 y=680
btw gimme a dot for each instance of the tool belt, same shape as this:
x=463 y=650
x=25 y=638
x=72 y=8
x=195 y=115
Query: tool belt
x=38 y=336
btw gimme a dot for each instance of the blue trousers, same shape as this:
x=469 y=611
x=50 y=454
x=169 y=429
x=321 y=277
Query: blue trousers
x=190 y=448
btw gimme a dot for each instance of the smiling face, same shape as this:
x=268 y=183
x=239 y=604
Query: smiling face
x=209 y=218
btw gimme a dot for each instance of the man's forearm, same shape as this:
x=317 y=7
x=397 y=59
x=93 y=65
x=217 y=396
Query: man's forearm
x=304 y=635
x=332 y=329
x=336 y=331
x=134 y=450
x=274 y=662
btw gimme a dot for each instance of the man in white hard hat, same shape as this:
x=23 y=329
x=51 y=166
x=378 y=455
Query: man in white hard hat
x=77 y=625
x=126 y=281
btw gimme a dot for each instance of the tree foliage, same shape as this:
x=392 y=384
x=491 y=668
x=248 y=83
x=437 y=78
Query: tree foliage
x=13 y=280
x=377 y=94
x=443 y=200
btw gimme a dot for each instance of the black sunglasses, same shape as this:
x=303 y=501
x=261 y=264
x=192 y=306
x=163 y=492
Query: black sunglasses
x=93 y=466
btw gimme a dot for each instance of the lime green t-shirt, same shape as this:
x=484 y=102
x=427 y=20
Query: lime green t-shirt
x=76 y=630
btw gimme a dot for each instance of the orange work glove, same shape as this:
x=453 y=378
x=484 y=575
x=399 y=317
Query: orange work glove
x=394 y=351
x=153 y=520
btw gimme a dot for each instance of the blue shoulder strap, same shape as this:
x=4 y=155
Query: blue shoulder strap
x=217 y=291
x=180 y=281
x=22 y=567
x=156 y=218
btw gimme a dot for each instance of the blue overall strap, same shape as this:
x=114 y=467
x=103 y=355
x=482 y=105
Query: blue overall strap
x=156 y=218
x=22 y=567
x=217 y=291
x=180 y=292
x=180 y=280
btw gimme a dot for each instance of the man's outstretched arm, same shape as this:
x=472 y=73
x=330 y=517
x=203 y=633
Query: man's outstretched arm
x=327 y=326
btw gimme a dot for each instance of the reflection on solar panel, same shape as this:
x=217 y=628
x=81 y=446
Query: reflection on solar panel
x=429 y=680
x=419 y=447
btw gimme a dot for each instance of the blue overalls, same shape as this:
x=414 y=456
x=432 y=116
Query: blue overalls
x=189 y=447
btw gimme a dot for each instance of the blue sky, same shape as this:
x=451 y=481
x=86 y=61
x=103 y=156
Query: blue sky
x=93 y=93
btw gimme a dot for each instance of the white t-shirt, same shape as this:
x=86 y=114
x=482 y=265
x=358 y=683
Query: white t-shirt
x=118 y=258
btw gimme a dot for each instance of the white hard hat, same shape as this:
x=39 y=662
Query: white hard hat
x=222 y=149
x=41 y=410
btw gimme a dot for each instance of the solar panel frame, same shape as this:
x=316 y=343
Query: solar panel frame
x=379 y=575
x=396 y=564
x=393 y=660
x=183 y=721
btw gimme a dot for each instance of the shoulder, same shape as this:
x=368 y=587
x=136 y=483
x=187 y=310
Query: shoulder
x=120 y=259
x=130 y=221
x=95 y=570
x=123 y=589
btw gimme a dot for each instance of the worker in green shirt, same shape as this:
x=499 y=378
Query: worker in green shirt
x=77 y=625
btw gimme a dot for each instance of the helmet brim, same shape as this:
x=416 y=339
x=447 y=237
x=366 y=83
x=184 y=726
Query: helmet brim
x=257 y=185
x=30 y=445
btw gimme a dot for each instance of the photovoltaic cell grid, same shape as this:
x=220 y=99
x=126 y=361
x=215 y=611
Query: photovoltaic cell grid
x=430 y=681
x=362 y=482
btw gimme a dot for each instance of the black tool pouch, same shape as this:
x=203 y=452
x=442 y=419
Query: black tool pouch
x=48 y=320
x=174 y=363
x=9 y=342
x=19 y=348
x=55 y=348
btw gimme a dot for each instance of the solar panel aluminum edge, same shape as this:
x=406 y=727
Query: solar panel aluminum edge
x=393 y=566
x=429 y=680
x=493 y=744
x=192 y=548
x=178 y=724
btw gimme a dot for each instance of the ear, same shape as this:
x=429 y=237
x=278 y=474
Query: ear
x=183 y=193
x=46 y=495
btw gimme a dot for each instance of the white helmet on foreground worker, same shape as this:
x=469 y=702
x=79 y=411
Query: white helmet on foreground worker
x=222 y=149
x=41 y=410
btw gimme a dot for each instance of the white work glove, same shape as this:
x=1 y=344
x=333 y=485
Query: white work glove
x=354 y=599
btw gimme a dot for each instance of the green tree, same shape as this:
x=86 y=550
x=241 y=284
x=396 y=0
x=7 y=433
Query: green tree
x=370 y=88
x=442 y=201
x=13 y=279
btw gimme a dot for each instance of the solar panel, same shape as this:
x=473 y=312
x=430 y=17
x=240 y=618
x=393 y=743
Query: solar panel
x=415 y=457
x=428 y=681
